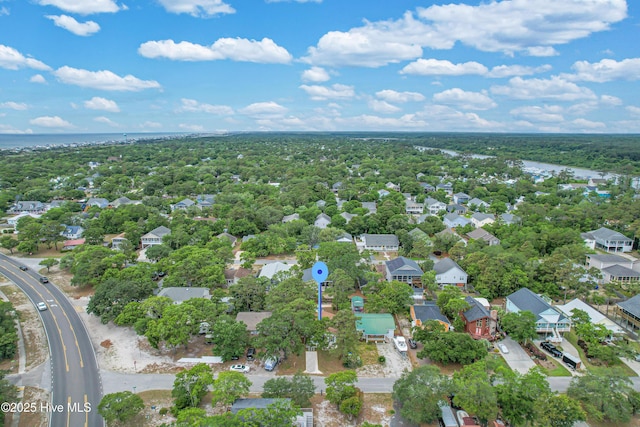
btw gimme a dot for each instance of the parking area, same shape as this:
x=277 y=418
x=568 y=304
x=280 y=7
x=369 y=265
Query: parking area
x=517 y=359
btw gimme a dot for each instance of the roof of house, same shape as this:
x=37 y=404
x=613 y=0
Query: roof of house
x=620 y=271
x=458 y=195
x=525 y=299
x=186 y=202
x=479 y=216
x=252 y=318
x=73 y=229
x=477 y=202
x=607 y=234
x=431 y=201
x=380 y=239
x=454 y=217
x=481 y=233
x=370 y=206
x=256 y=403
x=231 y=238
x=291 y=217
x=323 y=216
x=375 y=323
x=429 y=311
x=416 y=233
x=74 y=242
x=445 y=265
x=180 y=294
x=477 y=310
x=271 y=269
x=158 y=232
x=594 y=315
x=403 y=265
x=508 y=218
x=608 y=258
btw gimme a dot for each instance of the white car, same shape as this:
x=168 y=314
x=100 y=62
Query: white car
x=239 y=368
x=41 y=306
x=503 y=348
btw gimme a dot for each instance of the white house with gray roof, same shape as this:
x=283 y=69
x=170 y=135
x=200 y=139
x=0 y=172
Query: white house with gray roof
x=434 y=206
x=608 y=240
x=550 y=321
x=448 y=272
x=380 y=242
x=322 y=221
x=154 y=237
x=481 y=219
x=477 y=203
x=454 y=220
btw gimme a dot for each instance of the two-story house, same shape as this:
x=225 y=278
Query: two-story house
x=448 y=272
x=461 y=198
x=453 y=220
x=479 y=322
x=154 y=237
x=608 y=240
x=404 y=270
x=322 y=221
x=550 y=321
x=434 y=206
x=380 y=242
x=413 y=208
x=481 y=219
x=482 y=234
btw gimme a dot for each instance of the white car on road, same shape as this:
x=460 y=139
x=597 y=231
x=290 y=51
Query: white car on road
x=41 y=306
x=239 y=368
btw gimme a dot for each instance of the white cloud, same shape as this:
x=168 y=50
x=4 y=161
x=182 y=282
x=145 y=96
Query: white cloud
x=38 y=78
x=103 y=80
x=106 y=121
x=366 y=121
x=11 y=59
x=51 y=122
x=197 y=8
x=263 y=51
x=4 y=11
x=465 y=100
x=264 y=109
x=610 y=100
x=315 y=74
x=633 y=110
x=383 y=106
x=336 y=91
x=443 y=118
x=606 y=70
x=546 y=113
x=436 y=67
x=12 y=130
x=84 y=7
x=191 y=127
x=193 y=106
x=70 y=24
x=399 y=97
x=587 y=124
x=103 y=104
x=541 y=51
x=501 y=71
x=19 y=106
x=555 y=88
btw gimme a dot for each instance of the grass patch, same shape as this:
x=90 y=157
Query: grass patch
x=573 y=339
x=368 y=353
x=329 y=363
x=558 y=371
x=292 y=364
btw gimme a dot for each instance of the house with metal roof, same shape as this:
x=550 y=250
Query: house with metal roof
x=448 y=272
x=404 y=270
x=380 y=242
x=422 y=313
x=271 y=269
x=550 y=321
x=375 y=327
x=183 y=205
x=608 y=240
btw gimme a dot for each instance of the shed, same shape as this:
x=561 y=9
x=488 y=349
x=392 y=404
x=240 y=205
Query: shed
x=357 y=304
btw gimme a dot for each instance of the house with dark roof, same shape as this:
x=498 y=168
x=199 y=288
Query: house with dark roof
x=154 y=237
x=97 y=201
x=482 y=234
x=232 y=275
x=413 y=208
x=447 y=187
x=72 y=232
x=627 y=313
x=448 y=272
x=26 y=206
x=479 y=322
x=404 y=270
x=457 y=208
x=549 y=320
x=461 y=198
x=422 y=313
x=426 y=187
x=231 y=238
x=380 y=242
x=608 y=240
x=183 y=205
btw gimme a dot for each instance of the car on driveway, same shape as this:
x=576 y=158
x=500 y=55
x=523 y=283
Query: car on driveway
x=41 y=306
x=251 y=353
x=239 y=368
x=23 y=268
x=503 y=348
x=551 y=349
x=412 y=343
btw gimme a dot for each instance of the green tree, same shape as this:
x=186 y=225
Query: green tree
x=604 y=395
x=8 y=243
x=120 y=407
x=8 y=332
x=94 y=236
x=520 y=395
x=249 y=294
x=475 y=392
x=229 y=338
x=559 y=410
x=344 y=322
x=280 y=413
x=391 y=297
x=112 y=295
x=351 y=406
x=419 y=392
x=230 y=386
x=300 y=388
x=8 y=393
x=451 y=347
x=521 y=326
x=191 y=385
x=49 y=262
x=342 y=285
x=341 y=386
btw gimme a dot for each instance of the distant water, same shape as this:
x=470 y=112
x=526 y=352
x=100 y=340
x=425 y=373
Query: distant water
x=11 y=141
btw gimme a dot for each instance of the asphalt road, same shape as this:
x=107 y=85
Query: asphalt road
x=76 y=385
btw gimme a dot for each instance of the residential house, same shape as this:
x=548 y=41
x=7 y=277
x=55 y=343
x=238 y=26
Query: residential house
x=422 y=313
x=154 y=237
x=549 y=320
x=595 y=182
x=233 y=275
x=413 y=208
x=476 y=204
x=376 y=327
x=404 y=270
x=307 y=276
x=448 y=231
x=30 y=207
x=427 y=188
x=232 y=239
x=183 y=205
x=252 y=319
x=336 y=187
x=345 y=238
x=322 y=221
x=72 y=232
x=620 y=274
x=347 y=216
x=98 y=202
x=13 y=221
x=461 y=198
x=627 y=313
x=448 y=272
x=303 y=420
x=482 y=234
x=608 y=240
x=180 y=294
x=248 y=237
x=418 y=234
x=479 y=322
x=70 y=245
x=383 y=193
x=121 y=201
x=456 y=208
x=321 y=204
x=434 y=206
x=370 y=206
x=270 y=270
x=117 y=241
x=595 y=316
x=392 y=186
x=447 y=187
x=289 y=218
x=481 y=219
x=602 y=261
x=509 y=219
x=454 y=220
x=380 y=242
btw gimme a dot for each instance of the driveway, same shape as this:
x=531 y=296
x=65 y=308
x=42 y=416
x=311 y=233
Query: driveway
x=517 y=359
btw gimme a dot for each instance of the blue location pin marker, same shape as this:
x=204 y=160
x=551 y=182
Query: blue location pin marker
x=319 y=272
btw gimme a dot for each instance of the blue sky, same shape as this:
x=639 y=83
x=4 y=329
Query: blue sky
x=77 y=66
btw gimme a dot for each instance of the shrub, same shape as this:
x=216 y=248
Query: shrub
x=382 y=359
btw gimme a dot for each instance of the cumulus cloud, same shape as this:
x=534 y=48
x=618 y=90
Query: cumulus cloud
x=383 y=106
x=587 y=125
x=610 y=100
x=555 y=88
x=197 y=8
x=11 y=59
x=84 y=7
x=106 y=121
x=546 y=113
x=103 y=104
x=19 y=106
x=238 y=49
x=70 y=24
x=465 y=100
x=399 y=97
x=436 y=67
x=38 y=78
x=606 y=70
x=315 y=75
x=103 y=80
x=260 y=109
x=336 y=91
x=193 y=106
x=51 y=122
x=633 y=110
x=501 y=71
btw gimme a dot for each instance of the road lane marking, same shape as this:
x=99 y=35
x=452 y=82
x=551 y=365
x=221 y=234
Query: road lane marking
x=68 y=411
x=64 y=347
x=86 y=413
x=75 y=337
